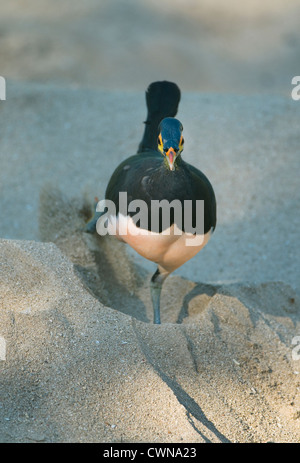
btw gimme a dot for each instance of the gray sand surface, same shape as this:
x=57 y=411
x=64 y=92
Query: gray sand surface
x=80 y=360
x=203 y=45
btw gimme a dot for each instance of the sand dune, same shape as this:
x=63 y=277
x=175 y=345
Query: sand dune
x=80 y=360
x=85 y=364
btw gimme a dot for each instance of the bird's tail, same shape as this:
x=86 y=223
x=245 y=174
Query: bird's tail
x=162 y=100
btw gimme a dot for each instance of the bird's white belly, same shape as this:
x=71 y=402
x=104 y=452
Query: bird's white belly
x=169 y=249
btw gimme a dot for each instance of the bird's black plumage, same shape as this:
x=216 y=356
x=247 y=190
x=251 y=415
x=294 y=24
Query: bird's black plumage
x=146 y=177
x=155 y=174
x=162 y=99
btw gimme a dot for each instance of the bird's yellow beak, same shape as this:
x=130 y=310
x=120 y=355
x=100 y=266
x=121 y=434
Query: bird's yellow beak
x=171 y=156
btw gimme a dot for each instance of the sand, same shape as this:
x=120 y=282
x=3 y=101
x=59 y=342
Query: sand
x=208 y=45
x=80 y=360
x=83 y=361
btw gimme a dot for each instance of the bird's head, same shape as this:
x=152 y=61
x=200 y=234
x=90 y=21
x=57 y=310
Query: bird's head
x=170 y=140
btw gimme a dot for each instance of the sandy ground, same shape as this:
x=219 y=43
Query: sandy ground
x=85 y=365
x=203 y=45
x=80 y=360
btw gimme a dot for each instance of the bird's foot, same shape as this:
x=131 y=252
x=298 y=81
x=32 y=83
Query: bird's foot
x=90 y=226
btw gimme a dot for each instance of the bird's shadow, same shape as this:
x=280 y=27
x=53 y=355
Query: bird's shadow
x=192 y=408
x=205 y=291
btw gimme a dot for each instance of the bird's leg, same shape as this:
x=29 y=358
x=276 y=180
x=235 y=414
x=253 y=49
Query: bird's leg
x=155 y=286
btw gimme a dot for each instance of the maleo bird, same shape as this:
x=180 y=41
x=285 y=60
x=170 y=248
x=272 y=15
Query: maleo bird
x=155 y=176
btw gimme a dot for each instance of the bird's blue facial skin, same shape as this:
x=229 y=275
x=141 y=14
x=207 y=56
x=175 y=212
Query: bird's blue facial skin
x=170 y=140
x=173 y=143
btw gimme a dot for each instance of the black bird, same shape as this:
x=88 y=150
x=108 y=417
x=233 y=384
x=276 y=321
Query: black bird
x=167 y=192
